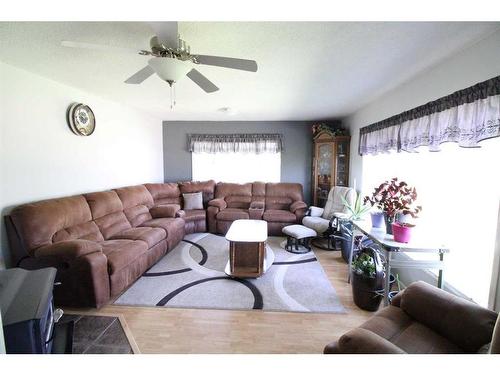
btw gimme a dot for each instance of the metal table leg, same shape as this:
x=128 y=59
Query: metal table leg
x=440 y=275
x=350 y=254
x=387 y=280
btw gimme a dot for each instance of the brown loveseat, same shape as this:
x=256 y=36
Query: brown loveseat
x=102 y=242
x=425 y=320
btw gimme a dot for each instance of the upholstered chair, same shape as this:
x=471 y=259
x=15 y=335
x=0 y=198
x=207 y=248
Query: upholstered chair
x=324 y=220
x=423 y=319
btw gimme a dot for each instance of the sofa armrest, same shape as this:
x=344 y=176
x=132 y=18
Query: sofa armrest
x=298 y=205
x=164 y=210
x=463 y=322
x=180 y=213
x=362 y=341
x=68 y=250
x=219 y=203
x=257 y=205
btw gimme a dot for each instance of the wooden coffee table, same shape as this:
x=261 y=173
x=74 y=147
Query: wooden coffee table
x=248 y=253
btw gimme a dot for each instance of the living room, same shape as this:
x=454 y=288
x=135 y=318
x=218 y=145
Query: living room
x=249 y=186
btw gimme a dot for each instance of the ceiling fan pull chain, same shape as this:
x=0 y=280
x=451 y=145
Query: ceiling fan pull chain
x=171 y=98
x=175 y=95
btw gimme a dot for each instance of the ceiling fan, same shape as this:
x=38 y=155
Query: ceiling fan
x=171 y=58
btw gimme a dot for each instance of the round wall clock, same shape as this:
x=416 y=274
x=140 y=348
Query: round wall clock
x=81 y=119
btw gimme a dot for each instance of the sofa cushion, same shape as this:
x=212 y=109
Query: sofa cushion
x=280 y=195
x=193 y=201
x=121 y=253
x=147 y=234
x=174 y=227
x=235 y=195
x=136 y=202
x=319 y=224
x=279 y=216
x=167 y=224
x=165 y=210
x=231 y=214
x=166 y=193
x=42 y=223
x=207 y=188
x=394 y=325
x=192 y=215
x=107 y=212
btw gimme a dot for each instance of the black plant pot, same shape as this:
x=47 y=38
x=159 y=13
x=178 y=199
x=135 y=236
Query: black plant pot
x=388 y=223
x=365 y=292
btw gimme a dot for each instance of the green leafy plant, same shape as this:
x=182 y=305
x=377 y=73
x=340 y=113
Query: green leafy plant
x=358 y=209
x=364 y=265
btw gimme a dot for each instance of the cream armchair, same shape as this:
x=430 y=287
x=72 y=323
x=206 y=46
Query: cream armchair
x=325 y=220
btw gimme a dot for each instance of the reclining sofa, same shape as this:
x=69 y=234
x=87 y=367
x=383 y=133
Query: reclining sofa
x=423 y=319
x=102 y=242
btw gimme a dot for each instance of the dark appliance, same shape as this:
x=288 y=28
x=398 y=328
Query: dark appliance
x=28 y=314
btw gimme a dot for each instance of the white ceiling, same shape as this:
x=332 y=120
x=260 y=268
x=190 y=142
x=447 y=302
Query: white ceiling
x=307 y=70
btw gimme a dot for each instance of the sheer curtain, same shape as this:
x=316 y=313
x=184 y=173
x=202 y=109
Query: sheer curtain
x=459 y=190
x=236 y=158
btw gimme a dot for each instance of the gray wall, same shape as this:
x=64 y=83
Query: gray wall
x=295 y=160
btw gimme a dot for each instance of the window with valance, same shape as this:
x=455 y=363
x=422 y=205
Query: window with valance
x=236 y=158
x=466 y=117
x=246 y=143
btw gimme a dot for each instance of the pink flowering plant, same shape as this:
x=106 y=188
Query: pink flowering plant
x=394 y=197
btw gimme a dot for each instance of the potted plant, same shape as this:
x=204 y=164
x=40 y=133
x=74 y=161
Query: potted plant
x=395 y=198
x=356 y=210
x=367 y=279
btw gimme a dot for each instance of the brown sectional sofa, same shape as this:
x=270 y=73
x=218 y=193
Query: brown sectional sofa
x=102 y=242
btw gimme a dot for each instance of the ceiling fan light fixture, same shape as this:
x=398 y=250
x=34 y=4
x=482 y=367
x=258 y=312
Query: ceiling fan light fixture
x=169 y=69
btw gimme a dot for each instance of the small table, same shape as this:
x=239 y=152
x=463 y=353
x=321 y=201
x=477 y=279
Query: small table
x=389 y=246
x=248 y=253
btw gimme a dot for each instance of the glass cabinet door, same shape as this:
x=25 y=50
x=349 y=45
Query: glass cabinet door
x=342 y=164
x=324 y=170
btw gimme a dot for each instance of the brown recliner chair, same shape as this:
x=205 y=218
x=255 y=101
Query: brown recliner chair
x=423 y=320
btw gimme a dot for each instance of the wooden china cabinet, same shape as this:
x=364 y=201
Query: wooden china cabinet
x=330 y=164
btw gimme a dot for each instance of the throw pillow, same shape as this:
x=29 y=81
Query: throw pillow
x=193 y=201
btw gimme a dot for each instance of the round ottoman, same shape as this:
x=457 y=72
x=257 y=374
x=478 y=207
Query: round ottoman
x=298 y=238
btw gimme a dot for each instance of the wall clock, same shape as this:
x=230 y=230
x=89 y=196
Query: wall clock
x=81 y=119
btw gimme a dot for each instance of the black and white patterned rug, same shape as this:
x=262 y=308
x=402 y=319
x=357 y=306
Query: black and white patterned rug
x=192 y=276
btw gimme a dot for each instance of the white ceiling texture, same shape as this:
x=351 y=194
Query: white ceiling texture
x=306 y=70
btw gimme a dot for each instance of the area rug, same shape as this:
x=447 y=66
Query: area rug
x=192 y=276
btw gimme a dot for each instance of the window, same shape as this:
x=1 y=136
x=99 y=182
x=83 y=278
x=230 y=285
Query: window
x=236 y=167
x=459 y=189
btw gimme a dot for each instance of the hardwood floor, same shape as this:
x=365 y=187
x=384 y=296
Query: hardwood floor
x=172 y=330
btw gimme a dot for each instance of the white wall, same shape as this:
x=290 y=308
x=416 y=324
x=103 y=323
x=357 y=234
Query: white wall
x=472 y=65
x=468 y=67
x=41 y=158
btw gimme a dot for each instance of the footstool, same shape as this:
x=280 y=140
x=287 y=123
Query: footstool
x=298 y=236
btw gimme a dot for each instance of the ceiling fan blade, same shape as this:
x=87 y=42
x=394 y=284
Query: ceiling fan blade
x=167 y=33
x=140 y=76
x=100 y=47
x=201 y=81
x=228 y=62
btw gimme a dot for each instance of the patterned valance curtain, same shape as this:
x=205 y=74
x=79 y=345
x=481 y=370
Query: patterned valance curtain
x=467 y=117
x=246 y=143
